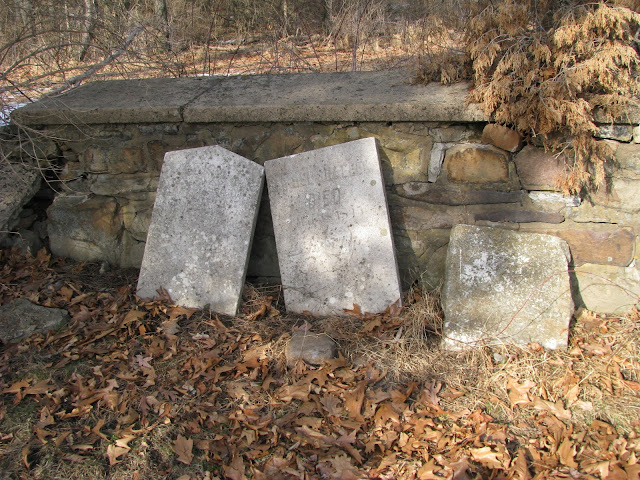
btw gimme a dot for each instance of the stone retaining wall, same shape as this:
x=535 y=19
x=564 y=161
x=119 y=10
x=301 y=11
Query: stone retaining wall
x=439 y=167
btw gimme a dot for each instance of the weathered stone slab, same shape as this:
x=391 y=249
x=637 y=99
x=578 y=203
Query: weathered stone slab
x=608 y=289
x=506 y=287
x=332 y=229
x=201 y=228
x=622 y=133
x=553 y=201
x=337 y=96
x=21 y=318
x=116 y=101
x=627 y=157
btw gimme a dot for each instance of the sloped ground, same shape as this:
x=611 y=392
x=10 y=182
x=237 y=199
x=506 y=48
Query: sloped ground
x=147 y=390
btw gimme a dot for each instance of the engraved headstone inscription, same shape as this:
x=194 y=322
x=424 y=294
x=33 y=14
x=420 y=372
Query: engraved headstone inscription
x=332 y=229
x=201 y=228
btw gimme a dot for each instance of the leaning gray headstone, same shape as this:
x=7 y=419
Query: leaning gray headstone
x=201 y=228
x=506 y=287
x=332 y=229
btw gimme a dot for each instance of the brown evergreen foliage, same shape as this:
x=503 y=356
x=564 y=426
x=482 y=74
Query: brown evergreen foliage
x=546 y=67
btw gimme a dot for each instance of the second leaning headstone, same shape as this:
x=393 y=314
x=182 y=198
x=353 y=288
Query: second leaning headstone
x=332 y=229
x=201 y=228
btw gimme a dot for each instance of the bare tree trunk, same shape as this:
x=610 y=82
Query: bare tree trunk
x=90 y=20
x=161 y=15
x=27 y=14
x=285 y=18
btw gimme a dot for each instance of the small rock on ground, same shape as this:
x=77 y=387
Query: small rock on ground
x=313 y=348
x=21 y=318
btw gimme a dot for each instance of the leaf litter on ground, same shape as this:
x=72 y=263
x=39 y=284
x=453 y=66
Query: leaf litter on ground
x=144 y=389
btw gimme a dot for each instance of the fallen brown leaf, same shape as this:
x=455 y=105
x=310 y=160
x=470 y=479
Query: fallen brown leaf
x=183 y=447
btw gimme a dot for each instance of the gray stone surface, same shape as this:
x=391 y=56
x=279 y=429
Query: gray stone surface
x=21 y=318
x=313 y=348
x=332 y=229
x=519 y=216
x=201 y=228
x=84 y=227
x=150 y=100
x=506 y=287
x=436 y=159
x=450 y=195
x=18 y=184
x=340 y=96
x=554 y=201
x=623 y=133
x=608 y=289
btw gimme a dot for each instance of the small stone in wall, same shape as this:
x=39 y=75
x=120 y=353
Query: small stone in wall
x=505 y=287
x=553 y=200
x=539 y=170
x=21 y=318
x=475 y=163
x=502 y=137
x=313 y=348
x=608 y=289
x=622 y=133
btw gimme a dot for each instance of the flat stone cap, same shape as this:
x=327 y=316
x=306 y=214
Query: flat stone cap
x=323 y=97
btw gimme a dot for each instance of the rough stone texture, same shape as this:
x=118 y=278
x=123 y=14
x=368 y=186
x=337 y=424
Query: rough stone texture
x=448 y=195
x=520 y=216
x=502 y=137
x=622 y=194
x=313 y=348
x=116 y=101
x=627 y=157
x=85 y=228
x=425 y=217
x=423 y=258
x=553 y=201
x=486 y=266
x=18 y=184
x=201 y=228
x=436 y=159
x=340 y=96
x=608 y=289
x=473 y=163
x=21 y=318
x=602 y=244
x=332 y=230
x=538 y=170
x=622 y=133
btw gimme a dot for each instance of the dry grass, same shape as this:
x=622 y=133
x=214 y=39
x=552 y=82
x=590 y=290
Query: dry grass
x=596 y=378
